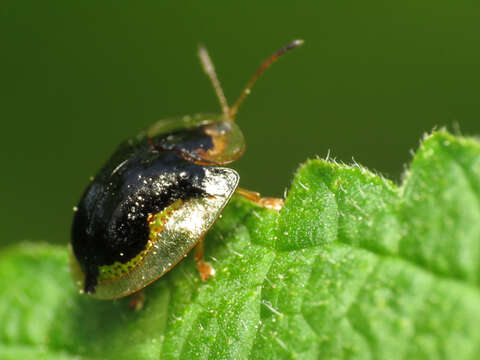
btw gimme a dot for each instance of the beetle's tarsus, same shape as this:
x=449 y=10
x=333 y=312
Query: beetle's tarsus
x=271 y=203
x=267 y=202
x=205 y=270
x=137 y=300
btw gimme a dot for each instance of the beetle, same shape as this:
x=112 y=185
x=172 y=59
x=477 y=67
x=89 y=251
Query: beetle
x=158 y=195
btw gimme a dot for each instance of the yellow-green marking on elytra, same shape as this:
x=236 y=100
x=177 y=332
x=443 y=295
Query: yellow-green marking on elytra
x=118 y=269
x=156 y=224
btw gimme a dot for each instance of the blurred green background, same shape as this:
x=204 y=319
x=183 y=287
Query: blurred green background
x=77 y=77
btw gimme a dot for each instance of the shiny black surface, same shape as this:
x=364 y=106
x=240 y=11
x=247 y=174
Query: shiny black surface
x=187 y=141
x=110 y=223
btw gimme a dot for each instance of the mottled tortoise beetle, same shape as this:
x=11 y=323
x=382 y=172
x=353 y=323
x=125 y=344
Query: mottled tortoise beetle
x=158 y=195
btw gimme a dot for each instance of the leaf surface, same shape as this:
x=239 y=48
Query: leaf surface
x=353 y=267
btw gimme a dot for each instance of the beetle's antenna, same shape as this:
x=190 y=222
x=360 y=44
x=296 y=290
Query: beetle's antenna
x=209 y=69
x=266 y=64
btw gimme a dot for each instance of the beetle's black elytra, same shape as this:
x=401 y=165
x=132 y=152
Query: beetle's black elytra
x=111 y=221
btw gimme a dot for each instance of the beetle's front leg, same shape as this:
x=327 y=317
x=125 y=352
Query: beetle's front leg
x=204 y=268
x=268 y=202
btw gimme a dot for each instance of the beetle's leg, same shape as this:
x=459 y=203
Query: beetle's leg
x=137 y=300
x=204 y=268
x=268 y=202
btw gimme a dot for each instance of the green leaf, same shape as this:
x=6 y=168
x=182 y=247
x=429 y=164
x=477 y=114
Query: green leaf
x=352 y=267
